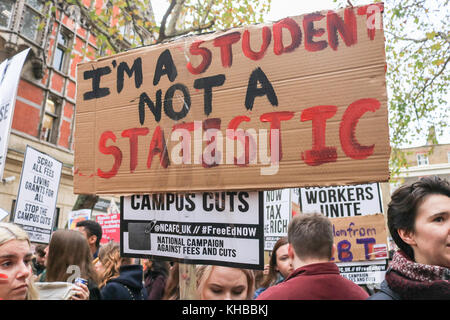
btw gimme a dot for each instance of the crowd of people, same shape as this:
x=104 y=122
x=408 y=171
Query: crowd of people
x=300 y=265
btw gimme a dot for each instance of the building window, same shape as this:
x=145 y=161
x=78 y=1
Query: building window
x=32 y=18
x=60 y=60
x=6 y=8
x=422 y=159
x=127 y=31
x=50 y=122
x=448 y=156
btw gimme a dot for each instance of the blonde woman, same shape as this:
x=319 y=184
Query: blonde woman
x=15 y=264
x=224 y=283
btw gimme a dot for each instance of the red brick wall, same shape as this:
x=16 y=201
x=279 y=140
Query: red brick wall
x=30 y=102
x=26 y=118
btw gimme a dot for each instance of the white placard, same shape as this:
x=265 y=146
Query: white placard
x=220 y=228
x=38 y=193
x=364 y=272
x=10 y=71
x=277 y=214
x=76 y=216
x=342 y=201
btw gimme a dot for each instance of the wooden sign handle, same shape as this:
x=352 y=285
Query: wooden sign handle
x=188 y=282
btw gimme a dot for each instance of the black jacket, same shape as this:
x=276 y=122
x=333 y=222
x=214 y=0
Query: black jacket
x=128 y=286
x=385 y=293
x=94 y=291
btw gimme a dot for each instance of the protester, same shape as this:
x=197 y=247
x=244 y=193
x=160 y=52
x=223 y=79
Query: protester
x=69 y=256
x=121 y=280
x=280 y=266
x=172 y=289
x=224 y=283
x=419 y=222
x=259 y=276
x=38 y=261
x=155 y=278
x=15 y=264
x=93 y=233
x=314 y=277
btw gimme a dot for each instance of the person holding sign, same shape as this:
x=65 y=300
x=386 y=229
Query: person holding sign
x=15 y=264
x=224 y=283
x=419 y=223
x=280 y=266
x=315 y=276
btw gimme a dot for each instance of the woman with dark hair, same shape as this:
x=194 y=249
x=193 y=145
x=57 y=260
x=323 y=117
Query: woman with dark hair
x=419 y=223
x=69 y=253
x=279 y=266
x=155 y=278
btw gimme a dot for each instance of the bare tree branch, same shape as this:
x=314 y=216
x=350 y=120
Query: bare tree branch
x=208 y=10
x=194 y=29
x=162 y=29
x=429 y=82
x=96 y=25
x=133 y=19
x=174 y=17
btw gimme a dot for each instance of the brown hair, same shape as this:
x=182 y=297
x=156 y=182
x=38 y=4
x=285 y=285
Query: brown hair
x=111 y=260
x=172 y=290
x=40 y=250
x=69 y=248
x=271 y=277
x=311 y=236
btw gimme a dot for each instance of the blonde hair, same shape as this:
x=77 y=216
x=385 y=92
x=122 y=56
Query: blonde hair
x=111 y=260
x=204 y=271
x=8 y=232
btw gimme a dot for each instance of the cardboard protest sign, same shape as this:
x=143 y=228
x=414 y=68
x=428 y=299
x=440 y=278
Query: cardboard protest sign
x=342 y=201
x=219 y=228
x=360 y=238
x=38 y=191
x=243 y=109
x=279 y=207
x=10 y=71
